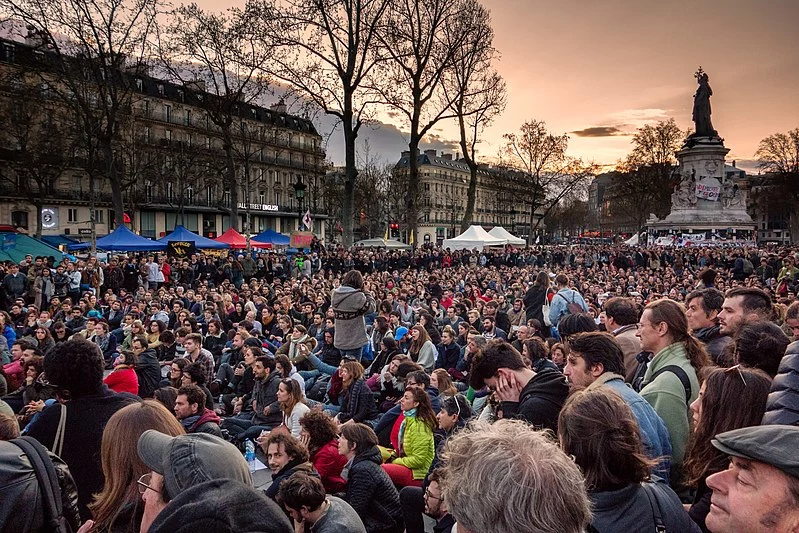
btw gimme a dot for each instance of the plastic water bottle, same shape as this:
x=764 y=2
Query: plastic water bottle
x=249 y=454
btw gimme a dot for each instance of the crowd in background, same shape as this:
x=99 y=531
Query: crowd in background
x=382 y=386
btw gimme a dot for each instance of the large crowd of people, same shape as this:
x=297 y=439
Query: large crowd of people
x=583 y=388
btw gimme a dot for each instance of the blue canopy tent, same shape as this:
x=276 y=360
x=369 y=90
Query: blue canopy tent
x=180 y=233
x=123 y=240
x=272 y=237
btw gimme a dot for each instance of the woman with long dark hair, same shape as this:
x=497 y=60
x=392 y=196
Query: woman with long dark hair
x=598 y=429
x=414 y=449
x=536 y=297
x=730 y=398
x=422 y=349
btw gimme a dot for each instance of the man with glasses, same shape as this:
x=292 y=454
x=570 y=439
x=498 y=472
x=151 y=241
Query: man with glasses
x=178 y=464
x=434 y=505
x=454 y=414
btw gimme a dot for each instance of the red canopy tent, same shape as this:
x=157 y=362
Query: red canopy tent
x=237 y=241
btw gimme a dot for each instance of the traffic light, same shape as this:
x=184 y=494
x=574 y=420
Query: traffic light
x=394 y=229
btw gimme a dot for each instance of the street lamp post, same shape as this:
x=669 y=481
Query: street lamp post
x=299 y=194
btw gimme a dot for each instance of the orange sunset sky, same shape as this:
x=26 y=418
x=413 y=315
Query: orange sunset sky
x=598 y=70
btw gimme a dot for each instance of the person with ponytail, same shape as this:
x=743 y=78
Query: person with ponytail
x=670 y=382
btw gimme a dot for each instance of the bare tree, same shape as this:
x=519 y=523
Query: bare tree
x=36 y=133
x=538 y=171
x=643 y=182
x=778 y=157
x=215 y=54
x=421 y=40
x=478 y=91
x=92 y=44
x=325 y=50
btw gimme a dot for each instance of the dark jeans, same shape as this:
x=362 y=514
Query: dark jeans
x=242 y=427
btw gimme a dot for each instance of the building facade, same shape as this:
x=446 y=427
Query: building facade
x=172 y=158
x=444 y=184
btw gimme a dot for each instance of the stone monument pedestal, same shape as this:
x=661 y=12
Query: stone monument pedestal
x=706 y=205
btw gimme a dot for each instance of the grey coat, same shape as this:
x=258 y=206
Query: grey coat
x=349 y=306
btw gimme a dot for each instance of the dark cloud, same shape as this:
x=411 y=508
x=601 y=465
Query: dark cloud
x=600 y=131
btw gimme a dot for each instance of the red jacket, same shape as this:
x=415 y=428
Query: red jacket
x=123 y=380
x=329 y=463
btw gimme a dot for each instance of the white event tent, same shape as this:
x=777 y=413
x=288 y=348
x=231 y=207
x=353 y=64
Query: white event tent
x=501 y=233
x=474 y=237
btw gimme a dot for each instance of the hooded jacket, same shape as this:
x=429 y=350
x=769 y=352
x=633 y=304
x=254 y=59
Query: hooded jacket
x=540 y=400
x=148 y=369
x=371 y=492
x=715 y=342
x=208 y=422
x=265 y=395
x=349 y=306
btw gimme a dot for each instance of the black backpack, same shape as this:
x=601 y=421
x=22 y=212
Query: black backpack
x=47 y=478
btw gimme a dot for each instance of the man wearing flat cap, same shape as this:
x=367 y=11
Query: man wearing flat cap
x=760 y=490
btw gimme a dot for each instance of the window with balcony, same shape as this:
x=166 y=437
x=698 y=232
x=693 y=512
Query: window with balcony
x=189 y=194
x=187 y=117
x=170 y=191
x=261 y=197
x=168 y=113
x=168 y=135
x=226 y=197
x=148 y=191
x=209 y=195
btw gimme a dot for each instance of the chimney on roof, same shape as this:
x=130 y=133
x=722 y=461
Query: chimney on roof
x=457 y=156
x=431 y=153
x=195 y=85
x=406 y=153
x=34 y=38
x=448 y=157
x=733 y=164
x=279 y=107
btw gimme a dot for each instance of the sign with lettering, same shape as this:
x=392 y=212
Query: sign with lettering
x=84 y=231
x=180 y=249
x=260 y=207
x=708 y=189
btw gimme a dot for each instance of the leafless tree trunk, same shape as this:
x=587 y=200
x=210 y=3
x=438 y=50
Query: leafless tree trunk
x=216 y=50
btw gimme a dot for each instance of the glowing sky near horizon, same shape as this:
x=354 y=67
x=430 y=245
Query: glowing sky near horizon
x=599 y=70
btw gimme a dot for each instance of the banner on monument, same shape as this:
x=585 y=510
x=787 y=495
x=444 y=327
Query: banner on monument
x=693 y=237
x=180 y=249
x=708 y=192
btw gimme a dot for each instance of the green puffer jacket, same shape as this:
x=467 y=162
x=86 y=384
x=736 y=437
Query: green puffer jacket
x=418 y=447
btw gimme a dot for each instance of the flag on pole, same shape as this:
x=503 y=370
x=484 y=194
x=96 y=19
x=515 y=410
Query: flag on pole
x=410 y=240
x=385 y=238
x=306 y=219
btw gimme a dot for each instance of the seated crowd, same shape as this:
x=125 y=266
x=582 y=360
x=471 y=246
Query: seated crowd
x=395 y=402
